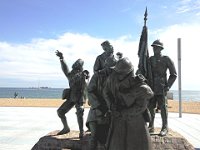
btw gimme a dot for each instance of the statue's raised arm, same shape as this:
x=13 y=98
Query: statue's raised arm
x=64 y=66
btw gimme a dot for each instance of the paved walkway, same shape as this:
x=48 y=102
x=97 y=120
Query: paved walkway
x=21 y=127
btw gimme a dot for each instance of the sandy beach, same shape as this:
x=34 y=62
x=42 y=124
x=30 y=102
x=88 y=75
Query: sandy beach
x=173 y=105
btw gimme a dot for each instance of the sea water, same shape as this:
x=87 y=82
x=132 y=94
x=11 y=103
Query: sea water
x=31 y=92
x=52 y=93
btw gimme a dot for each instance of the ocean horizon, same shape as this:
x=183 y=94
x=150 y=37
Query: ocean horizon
x=32 y=92
x=56 y=93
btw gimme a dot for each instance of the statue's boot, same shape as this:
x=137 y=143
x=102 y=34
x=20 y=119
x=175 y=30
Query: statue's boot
x=66 y=128
x=164 y=132
x=151 y=126
x=80 y=124
x=164 y=129
x=151 y=123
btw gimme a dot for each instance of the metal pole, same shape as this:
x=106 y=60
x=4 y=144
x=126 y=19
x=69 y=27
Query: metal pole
x=179 y=77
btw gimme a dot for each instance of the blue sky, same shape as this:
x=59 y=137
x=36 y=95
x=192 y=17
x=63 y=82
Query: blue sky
x=31 y=31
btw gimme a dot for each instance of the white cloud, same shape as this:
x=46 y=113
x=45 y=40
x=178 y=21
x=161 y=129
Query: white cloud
x=37 y=60
x=188 y=6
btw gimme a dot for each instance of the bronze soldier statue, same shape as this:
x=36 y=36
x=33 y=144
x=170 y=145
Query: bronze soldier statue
x=161 y=84
x=77 y=84
x=127 y=97
x=100 y=60
x=97 y=122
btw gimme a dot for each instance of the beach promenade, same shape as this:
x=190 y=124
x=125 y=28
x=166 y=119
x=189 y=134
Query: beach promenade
x=173 y=105
x=21 y=127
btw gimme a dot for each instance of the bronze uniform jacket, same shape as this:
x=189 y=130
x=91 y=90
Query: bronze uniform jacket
x=159 y=68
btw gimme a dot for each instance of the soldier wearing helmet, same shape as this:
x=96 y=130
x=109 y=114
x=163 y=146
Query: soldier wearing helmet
x=161 y=84
x=100 y=60
x=77 y=85
x=127 y=96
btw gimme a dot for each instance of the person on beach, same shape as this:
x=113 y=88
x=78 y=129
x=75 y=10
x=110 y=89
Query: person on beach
x=161 y=84
x=100 y=60
x=97 y=122
x=15 y=95
x=77 y=82
x=127 y=97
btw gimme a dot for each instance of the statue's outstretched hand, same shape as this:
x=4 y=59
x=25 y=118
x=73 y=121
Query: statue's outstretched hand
x=59 y=54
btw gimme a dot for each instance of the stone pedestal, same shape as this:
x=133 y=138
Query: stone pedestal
x=173 y=141
x=70 y=141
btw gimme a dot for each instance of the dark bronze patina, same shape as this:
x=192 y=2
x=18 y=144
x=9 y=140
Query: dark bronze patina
x=100 y=60
x=127 y=97
x=160 y=84
x=97 y=121
x=75 y=94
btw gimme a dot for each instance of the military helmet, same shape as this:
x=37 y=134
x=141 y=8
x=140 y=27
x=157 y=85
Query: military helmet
x=78 y=62
x=157 y=43
x=105 y=43
x=124 y=66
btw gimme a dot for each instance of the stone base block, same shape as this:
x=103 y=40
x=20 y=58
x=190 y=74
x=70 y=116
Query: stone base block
x=70 y=141
x=173 y=141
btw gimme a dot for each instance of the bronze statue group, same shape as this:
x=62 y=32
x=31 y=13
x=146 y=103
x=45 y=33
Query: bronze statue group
x=119 y=99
